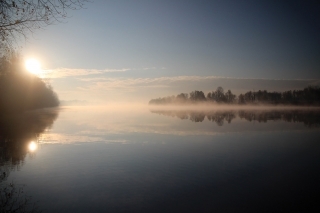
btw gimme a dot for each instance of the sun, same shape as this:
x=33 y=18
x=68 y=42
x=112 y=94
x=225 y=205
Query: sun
x=33 y=66
x=32 y=146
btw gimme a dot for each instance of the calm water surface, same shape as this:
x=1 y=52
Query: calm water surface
x=99 y=159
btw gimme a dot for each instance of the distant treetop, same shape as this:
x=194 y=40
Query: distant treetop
x=307 y=96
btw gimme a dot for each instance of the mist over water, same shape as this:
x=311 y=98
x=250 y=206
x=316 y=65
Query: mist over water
x=138 y=158
x=310 y=117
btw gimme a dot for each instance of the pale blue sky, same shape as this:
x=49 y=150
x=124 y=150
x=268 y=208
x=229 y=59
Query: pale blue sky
x=170 y=38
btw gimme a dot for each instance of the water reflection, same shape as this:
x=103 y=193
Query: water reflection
x=154 y=163
x=311 y=118
x=19 y=134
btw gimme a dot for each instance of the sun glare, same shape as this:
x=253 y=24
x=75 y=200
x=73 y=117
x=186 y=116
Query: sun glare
x=32 y=146
x=33 y=66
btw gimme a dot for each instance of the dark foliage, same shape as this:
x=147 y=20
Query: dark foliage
x=307 y=96
x=21 y=91
x=196 y=96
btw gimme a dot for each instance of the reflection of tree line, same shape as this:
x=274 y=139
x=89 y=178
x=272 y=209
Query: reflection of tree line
x=311 y=118
x=16 y=132
x=218 y=117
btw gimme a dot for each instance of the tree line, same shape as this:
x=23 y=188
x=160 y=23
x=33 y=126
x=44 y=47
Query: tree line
x=307 y=96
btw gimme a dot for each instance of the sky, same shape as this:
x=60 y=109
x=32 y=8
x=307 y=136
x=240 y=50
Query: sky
x=121 y=50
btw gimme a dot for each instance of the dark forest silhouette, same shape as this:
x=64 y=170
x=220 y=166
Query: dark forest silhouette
x=310 y=118
x=307 y=96
x=21 y=90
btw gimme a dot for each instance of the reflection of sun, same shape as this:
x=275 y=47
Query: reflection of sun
x=33 y=66
x=32 y=146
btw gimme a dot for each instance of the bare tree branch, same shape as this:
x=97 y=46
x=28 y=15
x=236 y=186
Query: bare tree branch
x=18 y=18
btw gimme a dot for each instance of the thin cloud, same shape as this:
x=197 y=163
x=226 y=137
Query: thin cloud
x=149 y=68
x=109 y=83
x=130 y=81
x=144 y=89
x=67 y=72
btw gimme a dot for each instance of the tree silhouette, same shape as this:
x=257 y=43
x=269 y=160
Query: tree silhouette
x=219 y=95
x=21 y=91
x=197 y=96
x=307 y=96
x=241 y=99
x=182 y=97
x=230 y=98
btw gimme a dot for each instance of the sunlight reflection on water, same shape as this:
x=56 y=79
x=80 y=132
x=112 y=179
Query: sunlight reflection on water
x=85 y=124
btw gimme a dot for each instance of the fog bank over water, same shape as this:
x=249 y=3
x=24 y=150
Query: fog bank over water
x=135 y=107
x=126 y=107
x=138 y=123
x=222 y=107
x=101 y=89
x=119 y=153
